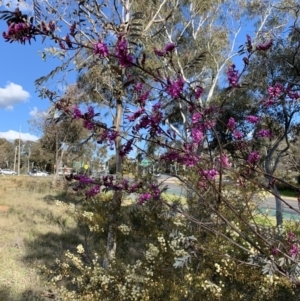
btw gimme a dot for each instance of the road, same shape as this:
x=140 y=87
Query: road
x=267 y=204
x=288 y=213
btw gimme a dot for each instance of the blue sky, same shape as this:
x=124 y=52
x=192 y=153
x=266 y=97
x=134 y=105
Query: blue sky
x=20 y=66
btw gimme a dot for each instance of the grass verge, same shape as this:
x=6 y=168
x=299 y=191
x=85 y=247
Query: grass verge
x=289 y=193
x=34 y=231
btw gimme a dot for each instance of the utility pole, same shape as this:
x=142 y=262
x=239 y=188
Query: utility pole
x=15 y=159
x=19 y=153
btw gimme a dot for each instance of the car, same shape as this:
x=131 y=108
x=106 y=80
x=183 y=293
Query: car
x=6 y=171
x=38 y=173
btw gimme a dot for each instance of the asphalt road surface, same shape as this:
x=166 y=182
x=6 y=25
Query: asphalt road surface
x=268 y=204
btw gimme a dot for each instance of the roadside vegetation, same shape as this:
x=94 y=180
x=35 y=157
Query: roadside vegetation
x=45 y=232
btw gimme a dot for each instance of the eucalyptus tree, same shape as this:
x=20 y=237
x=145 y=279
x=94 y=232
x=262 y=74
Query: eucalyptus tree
x=272 y=109
x=6 y=153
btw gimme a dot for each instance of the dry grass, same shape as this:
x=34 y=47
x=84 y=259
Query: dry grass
x=34 y=231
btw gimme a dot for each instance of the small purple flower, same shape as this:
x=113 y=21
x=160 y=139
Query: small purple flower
x=88 y=124
x=134 y=187
x=264 y=134
x=265 y=46
x=122 y=53
x=83 y=179
x=231 y=124
x=101 y=49
x=156 y=106
x=72 y=29
x=159 y=52
x=246 y=60
x=62 y=45
x=68 y=41
x=127 y=148
x=76 y=112
x=249 y=44
x=112 y=135
x=294 y=251
x=198 y=92
x=209 y=174
x=90 y=113
x=253 y=158
x=224 y=161
x=269 y=102
x=175 y=88
x=170 y=47
x=238 y=135
x=196 y=117
x=232 y=76
x=144 y=197
x=274 y=251
x=252 y=119
x=136 y=115
x=293 y=95
x=143 y=97
x=276 y=90
x=138 y=87
x=93 y=191
x=197 y=135
x=52 y=26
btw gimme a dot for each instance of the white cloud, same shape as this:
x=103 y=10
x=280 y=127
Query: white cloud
x=11 y=95
x=12 y=135
x=36 y=113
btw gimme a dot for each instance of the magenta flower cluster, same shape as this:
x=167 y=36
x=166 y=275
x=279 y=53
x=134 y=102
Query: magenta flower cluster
x=252 y=119
x=93 y=191
x=109 y=137
x=264 y=133
x=144 y=197
x=231 y=124
x=20 y=32
x=92 y=187
x=169 y=48
x=197 y=135
x=276 y=90
x=232 y=76
x=76 y=112
x=196 y=117
x=198 y=92
x=122 y=52
x=224 y=161
x=142 y=94
x=127 y=148
x=293 y=95
x=175 y=88
x=253 y=158
x=101 y=49
x=265 y=46
x=151 y=122
x=136 y=114
x=88 y=117
x=294 y=251
x=237 y=135
x=249 y=44
x=209 y=174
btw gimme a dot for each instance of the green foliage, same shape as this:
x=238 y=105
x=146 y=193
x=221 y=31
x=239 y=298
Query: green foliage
x=163 y=256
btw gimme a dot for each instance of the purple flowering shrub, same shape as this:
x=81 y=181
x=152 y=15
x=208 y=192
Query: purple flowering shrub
x=227 y=214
